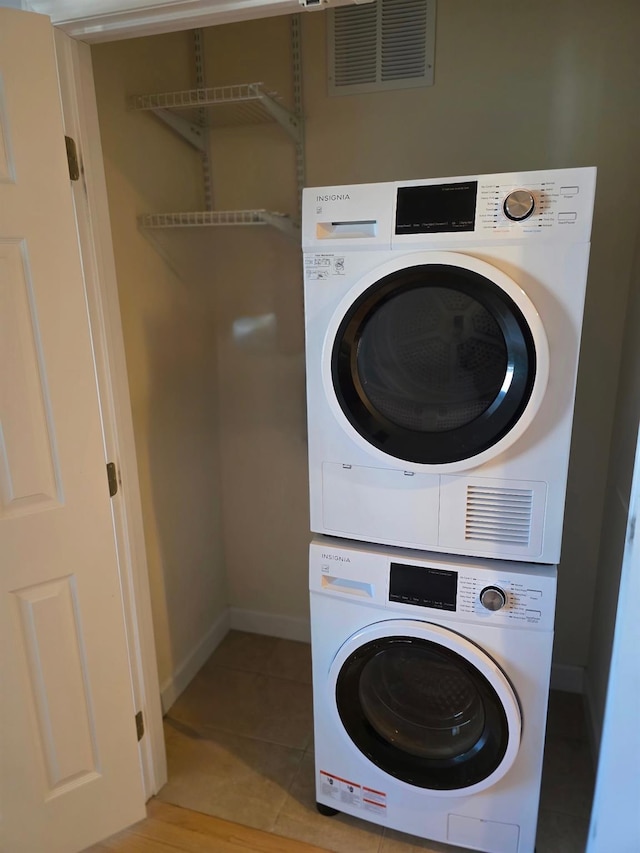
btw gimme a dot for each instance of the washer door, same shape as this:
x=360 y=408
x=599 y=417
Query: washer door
x=426 y=706
x=437 y=360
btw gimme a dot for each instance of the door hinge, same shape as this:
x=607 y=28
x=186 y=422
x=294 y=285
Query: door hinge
x=112 y=476
x=72 y=158
x=140 y=725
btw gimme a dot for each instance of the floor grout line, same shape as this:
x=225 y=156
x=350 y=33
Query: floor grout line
x=200 y=732
x=288 y=794
x=246 y=670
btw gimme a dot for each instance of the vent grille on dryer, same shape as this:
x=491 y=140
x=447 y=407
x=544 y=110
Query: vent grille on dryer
x=499 y=515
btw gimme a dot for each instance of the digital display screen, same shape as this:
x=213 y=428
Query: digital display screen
x=436 y=208
x=423 y=586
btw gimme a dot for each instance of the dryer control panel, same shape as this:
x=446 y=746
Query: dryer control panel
x=509 y=205
x=546 y=204
x=554 y=204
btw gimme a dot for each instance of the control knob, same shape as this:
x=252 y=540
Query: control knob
x=493 y=598
x=519 y=205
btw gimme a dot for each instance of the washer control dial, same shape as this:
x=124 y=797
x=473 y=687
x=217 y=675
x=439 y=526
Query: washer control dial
x=493 y=598
x=519 y=205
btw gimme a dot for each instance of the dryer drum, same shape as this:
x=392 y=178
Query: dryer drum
x=422 y=713
x=433 y=364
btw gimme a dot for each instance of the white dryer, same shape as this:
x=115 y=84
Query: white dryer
x=430 y=686
x=443 y=322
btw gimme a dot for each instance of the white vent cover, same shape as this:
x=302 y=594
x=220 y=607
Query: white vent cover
x=387 y=44
x=498 y=515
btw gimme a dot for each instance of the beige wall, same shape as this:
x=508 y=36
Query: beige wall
x=262 y=394
x=170 y=351
x=517 y=86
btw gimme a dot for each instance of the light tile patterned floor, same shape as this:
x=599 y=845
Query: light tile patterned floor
x=239 y=746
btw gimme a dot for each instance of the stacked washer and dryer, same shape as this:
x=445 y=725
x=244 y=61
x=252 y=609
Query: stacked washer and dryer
x=443 y=322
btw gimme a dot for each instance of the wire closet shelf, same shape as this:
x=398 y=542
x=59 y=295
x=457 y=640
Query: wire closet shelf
x=190 y=112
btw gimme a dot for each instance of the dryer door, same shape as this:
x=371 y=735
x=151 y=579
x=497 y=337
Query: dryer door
x=426 y=706
x=438 y=360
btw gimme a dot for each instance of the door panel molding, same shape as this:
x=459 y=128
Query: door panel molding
x=29 y=466
x=57 y=665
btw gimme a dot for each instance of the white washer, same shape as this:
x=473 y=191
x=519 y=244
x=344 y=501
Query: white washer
x=429 y=704
x=443 y=322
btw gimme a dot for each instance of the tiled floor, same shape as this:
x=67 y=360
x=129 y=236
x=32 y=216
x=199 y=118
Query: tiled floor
x=240 y=746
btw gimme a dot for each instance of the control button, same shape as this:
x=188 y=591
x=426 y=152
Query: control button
x=569 y=190
x=519 y=205
x=493 y=598
x=567 y=217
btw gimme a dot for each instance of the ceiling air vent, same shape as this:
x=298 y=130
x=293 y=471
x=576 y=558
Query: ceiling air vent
x=499 y=515
x=387 y=44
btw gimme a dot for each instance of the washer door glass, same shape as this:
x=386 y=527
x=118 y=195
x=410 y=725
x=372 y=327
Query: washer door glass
x=422 y=713
x=433 y=364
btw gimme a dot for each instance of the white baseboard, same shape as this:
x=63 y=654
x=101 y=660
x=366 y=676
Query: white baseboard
x=175 y=684
x=253 y=621
x=270 y=624
x=567 y=678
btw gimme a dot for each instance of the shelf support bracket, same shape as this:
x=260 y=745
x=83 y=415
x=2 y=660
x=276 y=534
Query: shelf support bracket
x=289 y=122
x=283 y=224
x=186 y=129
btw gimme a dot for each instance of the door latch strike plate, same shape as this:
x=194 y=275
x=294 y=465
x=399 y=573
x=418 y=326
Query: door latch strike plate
x=72 y=158
x=112 y=476
x=139 y=725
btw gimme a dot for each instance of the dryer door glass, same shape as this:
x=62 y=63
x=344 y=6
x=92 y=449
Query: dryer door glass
x=422 y=713
x=433 y=364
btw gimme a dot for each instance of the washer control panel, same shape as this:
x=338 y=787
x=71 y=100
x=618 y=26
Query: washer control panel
x=491 y=596
x=506 y=597
x=417 y=585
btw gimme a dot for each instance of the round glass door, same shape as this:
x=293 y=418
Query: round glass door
x=433 y=364
x=422 y=712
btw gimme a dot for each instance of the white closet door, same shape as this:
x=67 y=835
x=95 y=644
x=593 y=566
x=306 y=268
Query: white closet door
x=69 y=770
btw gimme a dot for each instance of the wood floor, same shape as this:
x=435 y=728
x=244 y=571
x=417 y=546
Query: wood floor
x=170 y=829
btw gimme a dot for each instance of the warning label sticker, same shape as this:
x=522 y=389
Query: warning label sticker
x=374 y=801
x=341 y=790
x=318 y=267
x=345 y=792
